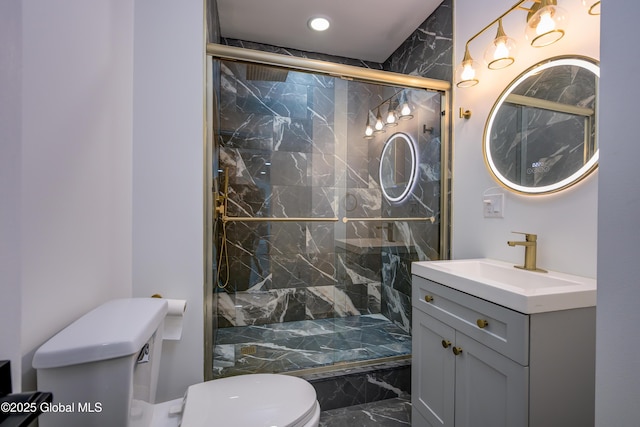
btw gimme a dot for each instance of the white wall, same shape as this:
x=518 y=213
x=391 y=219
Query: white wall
x=565 y=222
x=168 y=174
x=75 y=163
x=93 y=207
x=10 y=135
x=618 y=340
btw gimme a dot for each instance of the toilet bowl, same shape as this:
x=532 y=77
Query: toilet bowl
x=254 y=400
x=103 y=371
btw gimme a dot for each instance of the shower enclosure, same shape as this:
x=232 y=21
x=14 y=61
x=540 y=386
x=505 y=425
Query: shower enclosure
x=312 y=239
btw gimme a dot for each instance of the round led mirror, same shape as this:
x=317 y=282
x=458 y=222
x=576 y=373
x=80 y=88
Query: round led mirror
x=398 y=168
x=541 y=133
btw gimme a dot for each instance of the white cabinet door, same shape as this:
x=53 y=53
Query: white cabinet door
x=491 y=389
x=433 y=371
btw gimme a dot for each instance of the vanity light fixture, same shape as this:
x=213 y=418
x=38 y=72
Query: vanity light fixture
x=545 y=24
x=398 y=109
x=319 y=23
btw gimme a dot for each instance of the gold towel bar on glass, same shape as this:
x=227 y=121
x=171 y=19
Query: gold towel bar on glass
x=293 y=219
x=430 y=218
x=279 y=219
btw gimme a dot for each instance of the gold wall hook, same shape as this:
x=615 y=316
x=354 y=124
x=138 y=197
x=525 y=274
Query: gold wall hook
x=465 y=114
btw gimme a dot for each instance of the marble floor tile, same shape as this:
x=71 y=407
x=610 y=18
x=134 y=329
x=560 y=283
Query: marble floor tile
x=384 y=413
x=291 y=346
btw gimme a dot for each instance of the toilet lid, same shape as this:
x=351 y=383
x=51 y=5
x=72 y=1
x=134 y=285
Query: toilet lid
x=253 y=400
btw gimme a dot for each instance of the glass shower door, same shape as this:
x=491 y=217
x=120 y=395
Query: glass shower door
x=306 y=274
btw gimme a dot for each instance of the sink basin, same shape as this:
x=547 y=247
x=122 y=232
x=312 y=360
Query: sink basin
x=500 y=282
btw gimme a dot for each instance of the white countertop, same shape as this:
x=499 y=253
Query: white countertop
x=501 y=283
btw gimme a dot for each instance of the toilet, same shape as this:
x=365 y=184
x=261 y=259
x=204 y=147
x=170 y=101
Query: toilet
x=103 y=371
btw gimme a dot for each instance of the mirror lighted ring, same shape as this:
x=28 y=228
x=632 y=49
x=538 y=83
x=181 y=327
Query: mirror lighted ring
x=576 y=176
x=398 y=169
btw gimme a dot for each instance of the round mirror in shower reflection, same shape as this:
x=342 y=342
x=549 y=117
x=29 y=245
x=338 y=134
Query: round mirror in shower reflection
x=398 y=167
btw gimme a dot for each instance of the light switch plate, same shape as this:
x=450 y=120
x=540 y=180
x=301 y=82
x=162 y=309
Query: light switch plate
x=493 y=205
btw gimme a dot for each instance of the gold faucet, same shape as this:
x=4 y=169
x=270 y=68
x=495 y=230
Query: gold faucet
x=530 y=245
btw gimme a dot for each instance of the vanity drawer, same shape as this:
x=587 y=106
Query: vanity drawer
x=506 y=331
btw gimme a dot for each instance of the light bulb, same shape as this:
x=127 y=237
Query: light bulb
x=546 y=23
x=379 y=125
x=405 y=110
x=391 y=118
x=368 y=131
x=468 y=72
x=501 y=50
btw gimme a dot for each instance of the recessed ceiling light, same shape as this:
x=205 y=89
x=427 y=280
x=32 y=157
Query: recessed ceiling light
x=319 y=23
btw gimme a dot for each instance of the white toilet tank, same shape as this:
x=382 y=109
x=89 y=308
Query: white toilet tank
x=103 y=368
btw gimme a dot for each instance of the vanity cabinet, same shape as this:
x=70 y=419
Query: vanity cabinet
x=479 y=364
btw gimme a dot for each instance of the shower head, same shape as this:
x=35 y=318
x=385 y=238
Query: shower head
x=266 y=74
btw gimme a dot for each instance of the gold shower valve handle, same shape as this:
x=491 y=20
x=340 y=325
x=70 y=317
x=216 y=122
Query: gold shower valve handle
x=428 y=298
x=446 y=343
x=482 y=323
x=457 y=351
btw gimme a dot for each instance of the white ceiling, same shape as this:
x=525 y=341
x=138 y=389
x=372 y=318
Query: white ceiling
x=369 y=30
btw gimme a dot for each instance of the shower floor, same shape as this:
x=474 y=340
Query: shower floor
x=293 y=346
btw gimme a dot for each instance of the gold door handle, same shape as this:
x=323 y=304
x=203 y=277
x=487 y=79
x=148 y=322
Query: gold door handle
x=446 y=343
x=457 y=351
x=428 y=298
x=482 y=323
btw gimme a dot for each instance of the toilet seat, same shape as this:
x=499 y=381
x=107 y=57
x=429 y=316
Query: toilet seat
x=252 y=400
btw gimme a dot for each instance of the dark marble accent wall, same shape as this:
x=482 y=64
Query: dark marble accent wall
x=287 y=156
x=362 y=385
x=277 y=146
x=294 y=147
x=213 y=22
x=428 y=52
x=299 y=53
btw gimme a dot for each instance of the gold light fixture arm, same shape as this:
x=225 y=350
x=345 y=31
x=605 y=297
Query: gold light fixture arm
x=518 y=5
x=545 y=25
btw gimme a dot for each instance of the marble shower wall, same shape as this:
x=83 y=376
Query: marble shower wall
x=287 y=156
x=295 y=148
x=428 y=52
x=390 y=262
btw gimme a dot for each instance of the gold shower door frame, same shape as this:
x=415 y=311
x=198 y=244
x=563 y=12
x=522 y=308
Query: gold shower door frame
x=346 y=72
